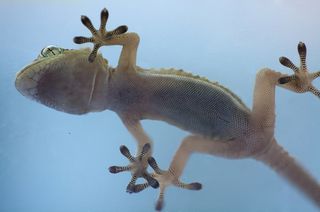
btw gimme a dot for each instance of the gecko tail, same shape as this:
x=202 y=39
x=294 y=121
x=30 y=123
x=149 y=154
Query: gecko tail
x=278 y=159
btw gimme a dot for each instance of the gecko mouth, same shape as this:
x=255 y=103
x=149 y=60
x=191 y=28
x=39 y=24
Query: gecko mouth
x=28 y=78
x=60 y=79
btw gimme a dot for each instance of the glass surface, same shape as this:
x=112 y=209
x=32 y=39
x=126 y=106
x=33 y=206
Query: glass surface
x=55 y=162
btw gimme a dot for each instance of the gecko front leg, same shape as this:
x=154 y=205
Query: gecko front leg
x=138 y=165
x=118 y=36
x=301 y=80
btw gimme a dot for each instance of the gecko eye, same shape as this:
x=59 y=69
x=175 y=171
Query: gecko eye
x=51 y=51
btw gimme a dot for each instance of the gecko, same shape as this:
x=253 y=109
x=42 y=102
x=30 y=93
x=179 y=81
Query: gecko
x=79 y=81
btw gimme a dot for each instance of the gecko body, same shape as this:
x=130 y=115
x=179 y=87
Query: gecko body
x=191 y=104
x=218 y=121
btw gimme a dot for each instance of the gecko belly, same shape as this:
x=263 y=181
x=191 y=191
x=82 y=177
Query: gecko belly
x=199 y=107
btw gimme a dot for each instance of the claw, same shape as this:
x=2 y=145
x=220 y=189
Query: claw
x=119 y=30
x=315 y=75
x=117 y=169
x=166 y=178
x=151 y=181
x=301 y=80
x=87 y=22
x=302 y=49
x=104 y=18
x=160 y=201
x=152 y=162
x=284 y=80
x=145 y=150
x=286 y=62
x=191 y=186
x=98 y=37
x=314 y=91
x=94 y=52
x=80 y=40
x=140 y=187
x=131 y=185
x=125 y=152
x=138 y=168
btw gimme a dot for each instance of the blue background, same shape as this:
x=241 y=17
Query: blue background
x=56 y=162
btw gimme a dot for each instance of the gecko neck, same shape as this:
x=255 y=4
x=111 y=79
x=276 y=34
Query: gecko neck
x=101 y=90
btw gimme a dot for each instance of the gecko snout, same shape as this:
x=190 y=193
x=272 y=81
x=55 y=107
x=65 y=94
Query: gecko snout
x=61 y=79
x=27 y=79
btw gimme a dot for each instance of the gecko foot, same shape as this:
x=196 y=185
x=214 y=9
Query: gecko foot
x=138 y=168
x=165 y=179
x=98 y=36
x=301 y=80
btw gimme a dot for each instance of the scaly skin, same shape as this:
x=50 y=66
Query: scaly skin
x=78 y=82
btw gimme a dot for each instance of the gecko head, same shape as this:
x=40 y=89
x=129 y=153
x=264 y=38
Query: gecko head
x=62 y=79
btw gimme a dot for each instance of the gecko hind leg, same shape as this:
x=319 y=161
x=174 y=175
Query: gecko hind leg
x=191 y=144
x=165 y=179
x=301 y=80
x=98 y=36
x=136 y=168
